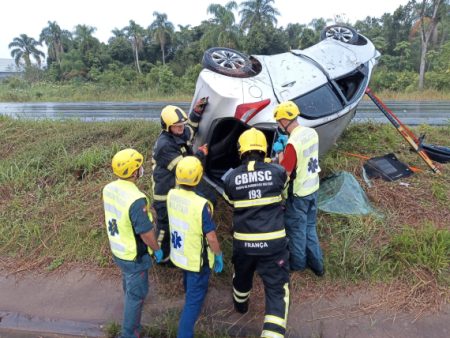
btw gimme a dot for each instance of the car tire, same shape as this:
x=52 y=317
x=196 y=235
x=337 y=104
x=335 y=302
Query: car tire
x=229 y=62
x=341 y=33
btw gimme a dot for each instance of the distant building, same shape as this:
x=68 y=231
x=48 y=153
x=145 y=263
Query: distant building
x=8 y=68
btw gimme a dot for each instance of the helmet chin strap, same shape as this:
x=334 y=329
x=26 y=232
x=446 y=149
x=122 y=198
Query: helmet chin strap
x=286 y=128
x=140 y=172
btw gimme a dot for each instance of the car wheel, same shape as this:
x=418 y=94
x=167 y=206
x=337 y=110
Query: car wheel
x=342 y=33
x=227 y=61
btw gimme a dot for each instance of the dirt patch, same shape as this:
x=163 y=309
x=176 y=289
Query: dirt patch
x=324 y=309
x=319 y=308
x=413 y=205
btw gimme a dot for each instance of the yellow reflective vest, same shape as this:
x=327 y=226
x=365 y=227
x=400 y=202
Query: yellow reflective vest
x=306 y=144
x=187 y=241
x=118 y=196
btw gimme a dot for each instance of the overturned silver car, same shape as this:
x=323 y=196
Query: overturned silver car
x=326 y=81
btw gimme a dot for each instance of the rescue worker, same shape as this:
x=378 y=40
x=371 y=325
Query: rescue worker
x=259 y=240
x=301 y=161
x=131 y=235
x=194 y=244
x=174 y=142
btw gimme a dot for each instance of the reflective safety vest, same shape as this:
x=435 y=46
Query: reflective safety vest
x=306 y=144
x=118 y=196
x=187 y=241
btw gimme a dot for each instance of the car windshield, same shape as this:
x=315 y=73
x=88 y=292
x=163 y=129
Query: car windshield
x=319 y=103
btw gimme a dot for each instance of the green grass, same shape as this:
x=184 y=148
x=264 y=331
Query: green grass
x=52 y=92
x=355 y=247
x=425 y=248
x=425 y=95
x=21 y=91
x=52 y=174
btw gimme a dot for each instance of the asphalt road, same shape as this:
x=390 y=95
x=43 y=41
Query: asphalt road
x=409 y=112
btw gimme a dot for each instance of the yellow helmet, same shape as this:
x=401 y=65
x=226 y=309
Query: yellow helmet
x=286 y=110
x=126 y=162
x=171 y=115
x=252 y=139
x=189 y=171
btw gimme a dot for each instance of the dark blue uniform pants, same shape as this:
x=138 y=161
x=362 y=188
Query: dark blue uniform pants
x=135 y=289
x=300 y=222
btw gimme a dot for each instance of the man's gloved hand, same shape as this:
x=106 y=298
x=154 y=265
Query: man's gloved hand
x=158 y=254
x=280 y=143
x=277 y=147
x=200 y=105
x=283 y=139
x=204 y=149
x=218 y=263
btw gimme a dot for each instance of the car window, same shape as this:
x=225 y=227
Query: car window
x=318 y=103
x=352 y=83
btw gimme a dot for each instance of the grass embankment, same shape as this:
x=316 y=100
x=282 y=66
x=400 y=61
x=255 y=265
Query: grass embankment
x=20 y=91
x=52 y=174
x=425 y=95
x=83 y=92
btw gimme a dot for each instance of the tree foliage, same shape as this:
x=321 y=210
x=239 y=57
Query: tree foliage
x=162 y=31
x=25 y=47
x=414 y=40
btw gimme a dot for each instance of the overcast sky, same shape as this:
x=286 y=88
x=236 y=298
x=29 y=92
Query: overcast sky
x=31 y=16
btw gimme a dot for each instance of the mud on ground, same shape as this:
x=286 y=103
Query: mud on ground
x=81 y=301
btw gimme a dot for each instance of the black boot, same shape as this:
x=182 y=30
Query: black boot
x=319 y=273
x=240 y=307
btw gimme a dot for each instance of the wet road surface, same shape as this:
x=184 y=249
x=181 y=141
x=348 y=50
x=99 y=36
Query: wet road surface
x=409 y=112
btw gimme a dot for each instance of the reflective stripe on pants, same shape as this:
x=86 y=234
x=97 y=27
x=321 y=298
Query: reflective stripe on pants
x=274 y=272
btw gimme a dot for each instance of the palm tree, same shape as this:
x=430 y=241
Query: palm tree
x=53 y=36
x=255 y=12
x=118 y=33
x=162 y=31
x=135 y=34
x=25 y=47
x=224 y=31
x=84 y=39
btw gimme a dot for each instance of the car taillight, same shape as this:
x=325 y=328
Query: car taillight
x=246 y=111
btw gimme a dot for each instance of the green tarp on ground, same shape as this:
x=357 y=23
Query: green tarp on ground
x=342 y=194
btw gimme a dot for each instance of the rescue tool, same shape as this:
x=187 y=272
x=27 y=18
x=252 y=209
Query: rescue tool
x=407 y=134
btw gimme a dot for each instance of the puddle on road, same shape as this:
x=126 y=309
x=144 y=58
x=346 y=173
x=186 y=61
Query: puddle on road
x=15 y=325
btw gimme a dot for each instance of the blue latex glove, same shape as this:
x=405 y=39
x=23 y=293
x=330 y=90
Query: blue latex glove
x=280 y=143
x=278 y=147
x=283 y=139
x=158 y=255
x=218 y=263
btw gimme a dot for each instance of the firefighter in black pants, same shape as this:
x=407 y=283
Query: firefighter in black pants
x=174 y=143
x=259 y=238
